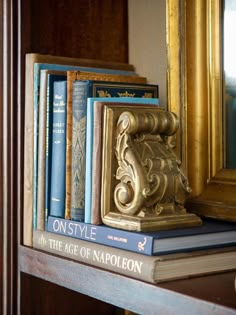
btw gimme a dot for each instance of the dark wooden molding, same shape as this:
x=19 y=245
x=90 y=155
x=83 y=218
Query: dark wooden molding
x=1 y=159
x=9 y=156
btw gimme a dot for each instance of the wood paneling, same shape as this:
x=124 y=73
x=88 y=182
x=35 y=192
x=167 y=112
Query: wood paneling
x=42 y=297
x=87 y=28
x=9 y=157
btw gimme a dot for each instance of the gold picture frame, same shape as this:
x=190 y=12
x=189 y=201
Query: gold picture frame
x=194 y=40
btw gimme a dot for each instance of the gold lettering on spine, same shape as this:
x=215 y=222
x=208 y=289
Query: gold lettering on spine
x=117 y=261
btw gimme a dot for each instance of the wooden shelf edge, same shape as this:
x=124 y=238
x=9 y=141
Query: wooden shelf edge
x=124 y=292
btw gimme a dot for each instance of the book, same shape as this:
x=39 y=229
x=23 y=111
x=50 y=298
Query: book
x=80 y=93
x=73 y=75
x=94 y=153
x=82 y=89
x=33 y=64
x=47 y=77
x=52 y=76
x=57 y=197
x=127 y=88
x=41 y=150
x=151 y=269
x=210 y=234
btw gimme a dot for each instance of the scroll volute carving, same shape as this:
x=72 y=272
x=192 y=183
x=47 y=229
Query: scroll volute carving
x=150 y=187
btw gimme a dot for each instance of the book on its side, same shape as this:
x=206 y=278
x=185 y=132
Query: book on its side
x=210 y=234
x=147 y=268
x=93 y=149
x=142 y=89
x=57 y=198
x=47 y=77
x=35 y=63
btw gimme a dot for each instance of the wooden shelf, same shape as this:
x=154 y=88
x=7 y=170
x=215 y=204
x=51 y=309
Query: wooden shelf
x=214 y=294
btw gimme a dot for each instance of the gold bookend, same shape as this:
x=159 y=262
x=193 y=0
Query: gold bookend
x=143 y=185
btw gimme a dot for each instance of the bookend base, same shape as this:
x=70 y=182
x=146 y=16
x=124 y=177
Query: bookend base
x=154 y=223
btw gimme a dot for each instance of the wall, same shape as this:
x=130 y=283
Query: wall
x=147 y=41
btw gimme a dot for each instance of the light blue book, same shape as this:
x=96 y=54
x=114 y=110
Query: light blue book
x=61 y=67
x=90 y=142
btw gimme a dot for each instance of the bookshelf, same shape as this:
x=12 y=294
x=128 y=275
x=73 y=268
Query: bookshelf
x=37 y=283
x=202 y=294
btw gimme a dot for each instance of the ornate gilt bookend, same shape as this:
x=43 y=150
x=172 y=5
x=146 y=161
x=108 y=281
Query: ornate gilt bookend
x=144 y=187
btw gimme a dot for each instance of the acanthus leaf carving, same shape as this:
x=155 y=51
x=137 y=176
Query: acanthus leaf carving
x=149 y=174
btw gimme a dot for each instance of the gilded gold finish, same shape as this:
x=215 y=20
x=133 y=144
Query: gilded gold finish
x=144 y=187
x=200 y=102
x=175 y=75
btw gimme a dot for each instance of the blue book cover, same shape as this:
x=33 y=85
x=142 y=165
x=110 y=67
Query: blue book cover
x=36 y=83
x=58 y=162
x=90 y=141
x=211 y=234
x=51 y=78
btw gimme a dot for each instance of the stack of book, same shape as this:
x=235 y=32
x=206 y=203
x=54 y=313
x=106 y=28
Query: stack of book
x=64 y=102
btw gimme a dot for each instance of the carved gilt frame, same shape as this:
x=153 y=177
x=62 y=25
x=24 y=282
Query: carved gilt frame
x=195 y=94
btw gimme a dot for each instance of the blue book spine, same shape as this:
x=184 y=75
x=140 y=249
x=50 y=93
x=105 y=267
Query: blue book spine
x=51 y=78
x=88 y=161
x=101 y=234
x=89 y=141
x=80 y=94
x=58 y=162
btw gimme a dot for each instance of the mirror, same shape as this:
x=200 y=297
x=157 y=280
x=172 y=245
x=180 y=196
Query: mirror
x=229 y=62
x=195 y=94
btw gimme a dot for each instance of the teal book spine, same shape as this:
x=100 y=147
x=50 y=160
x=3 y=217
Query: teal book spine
x=51 y=78
x=90 y=171
x=58 y=162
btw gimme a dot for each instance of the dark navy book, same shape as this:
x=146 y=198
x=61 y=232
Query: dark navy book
x=51 y=78
x=123 y=89
x=211 y=234
x=58 y=162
